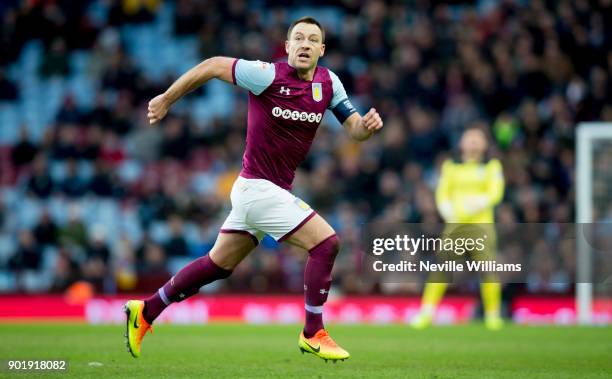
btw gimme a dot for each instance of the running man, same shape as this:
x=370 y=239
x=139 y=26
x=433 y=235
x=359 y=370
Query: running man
x=287 y=101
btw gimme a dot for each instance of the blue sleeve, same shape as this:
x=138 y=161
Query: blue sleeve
x=340 y=105
x=255 y=76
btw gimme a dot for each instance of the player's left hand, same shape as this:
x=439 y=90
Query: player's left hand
x=158 y=108
x=371 y=121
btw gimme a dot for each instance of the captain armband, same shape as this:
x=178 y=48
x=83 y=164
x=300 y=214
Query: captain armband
x=343 y=110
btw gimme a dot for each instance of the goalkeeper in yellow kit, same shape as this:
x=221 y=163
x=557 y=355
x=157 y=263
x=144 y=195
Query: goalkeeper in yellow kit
x=467 y=193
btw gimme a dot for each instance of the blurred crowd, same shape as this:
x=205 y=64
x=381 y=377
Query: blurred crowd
x=103 y=197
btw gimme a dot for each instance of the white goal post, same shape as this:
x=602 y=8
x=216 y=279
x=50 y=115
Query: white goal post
x=588 y=134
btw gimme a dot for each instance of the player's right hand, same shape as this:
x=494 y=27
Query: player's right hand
x=158 y=107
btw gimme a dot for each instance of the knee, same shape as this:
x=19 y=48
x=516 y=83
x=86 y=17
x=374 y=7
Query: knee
x=334 y=242
x=326 y=249
x=223 y=261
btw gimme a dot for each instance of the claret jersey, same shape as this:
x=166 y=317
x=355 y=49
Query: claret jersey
x=283 y=116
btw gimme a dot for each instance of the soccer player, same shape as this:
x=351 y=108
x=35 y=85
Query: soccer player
x=468 y=191
x=287 y=101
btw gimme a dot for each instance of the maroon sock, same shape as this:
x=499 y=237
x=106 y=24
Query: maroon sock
x=185 y=283
x=317 y=280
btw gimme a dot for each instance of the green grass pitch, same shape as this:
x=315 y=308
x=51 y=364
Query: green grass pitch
x=236 y=351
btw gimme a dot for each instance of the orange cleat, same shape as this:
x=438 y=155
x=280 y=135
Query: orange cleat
x=323 y=346
x=136 y=326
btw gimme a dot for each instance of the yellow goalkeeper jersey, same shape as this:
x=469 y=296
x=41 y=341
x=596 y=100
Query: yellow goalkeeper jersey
x=468 y=192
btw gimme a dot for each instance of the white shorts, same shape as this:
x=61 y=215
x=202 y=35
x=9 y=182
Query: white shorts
x=260 y=207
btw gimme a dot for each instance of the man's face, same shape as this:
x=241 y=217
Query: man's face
x=305 y=46
x=473 y=142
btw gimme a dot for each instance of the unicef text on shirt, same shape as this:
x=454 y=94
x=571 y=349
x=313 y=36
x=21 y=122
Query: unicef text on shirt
x=295 y=115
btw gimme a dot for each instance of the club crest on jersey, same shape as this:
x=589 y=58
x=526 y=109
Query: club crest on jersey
x=317 y=91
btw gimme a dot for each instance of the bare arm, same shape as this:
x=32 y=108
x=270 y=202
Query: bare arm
x=215 y=67
x=362 y=128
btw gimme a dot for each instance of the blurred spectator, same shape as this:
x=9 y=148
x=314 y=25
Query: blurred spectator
x=186 y=21
x=125 y=265
x=55 y=62
x=9 y=41
x=111 y=150
x=28 y=255
x=144 y=143
x=100 y=114
x=90 y=149
x=176 y=245
x=122 y=116
x=65 y=146
x=73 y=186
x=45 y=231
x=544 y=276
x=152 y=273
x=94 y=271
x=8 y=89
x=505 y=130
x=123 y=11
x=425 y=139
x=24 y=151
x=120 y=74
x=97 y=248
x=65 y=271
x=74 y=231
x=69 y=112
x=176 y=141
x=101 y=184
x=40 y=183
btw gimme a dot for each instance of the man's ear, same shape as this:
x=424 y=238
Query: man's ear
x=322 y=50
x=287 y=47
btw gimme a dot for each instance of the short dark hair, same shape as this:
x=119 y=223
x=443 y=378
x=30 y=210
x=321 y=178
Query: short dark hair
x=306 y=20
